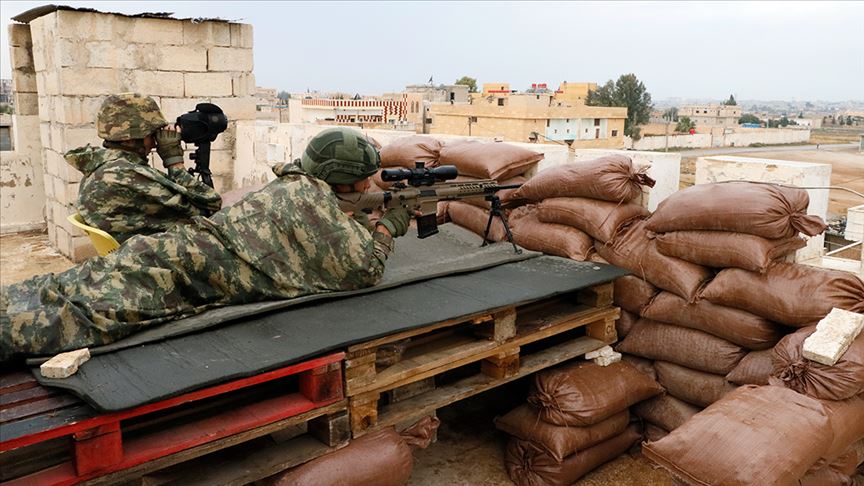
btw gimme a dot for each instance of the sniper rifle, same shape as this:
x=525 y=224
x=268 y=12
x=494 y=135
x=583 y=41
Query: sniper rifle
x=420 y=189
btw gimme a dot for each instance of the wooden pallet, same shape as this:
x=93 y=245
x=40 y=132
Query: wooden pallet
x=497 y=340
x=107 y=448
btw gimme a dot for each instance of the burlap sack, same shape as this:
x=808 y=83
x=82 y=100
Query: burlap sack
x=652 y=432
x=600 y=219
x=846 y=424
x=610 y=178
x=584 y=393
x=634 y=250
x=720 y=249
x=406 y=151
x=687 y=347
x=633 y=293
x=596 y=258
x=641 y=364
x=754 y=208
x=839 y=471
x=529 y=466
x=839 y=382
x=625 y=323
x=788 y=293
x=488 y=160
x=559 y=442
x=475 y=220
x=736 y=326
x=665 y=411
x=692 y=386
x=754 y=369
x=754 y=435
x=549 y=238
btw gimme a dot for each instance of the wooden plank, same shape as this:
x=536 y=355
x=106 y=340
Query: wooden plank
x=443 y=396
x=13 y=381
x=501 y=328
x=333 y=429
x=37 y=407
x=363 y=411
x=410 y=390
x=26 y=395
x=597 y=296
x=501 y=365
x=603 y=330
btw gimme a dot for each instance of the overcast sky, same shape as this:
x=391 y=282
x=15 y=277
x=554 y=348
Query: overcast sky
x=769 y=51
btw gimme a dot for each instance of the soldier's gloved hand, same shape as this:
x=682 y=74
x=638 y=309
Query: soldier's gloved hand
x=168 y=147
x=396 y=221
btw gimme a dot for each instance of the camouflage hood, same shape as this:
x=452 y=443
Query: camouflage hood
x=88 y=158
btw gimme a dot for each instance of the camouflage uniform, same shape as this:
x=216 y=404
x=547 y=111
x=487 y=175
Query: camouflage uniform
x=287 y=240
x=120 y=192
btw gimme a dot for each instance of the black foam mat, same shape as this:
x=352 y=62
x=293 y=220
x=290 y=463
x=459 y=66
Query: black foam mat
x=255 y=344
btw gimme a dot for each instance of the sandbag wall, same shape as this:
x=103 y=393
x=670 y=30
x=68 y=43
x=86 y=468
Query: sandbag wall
x=576 y=418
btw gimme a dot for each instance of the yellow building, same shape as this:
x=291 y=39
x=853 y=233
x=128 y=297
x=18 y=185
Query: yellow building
x=574 y=93
x=496 y=89
x=530 y=117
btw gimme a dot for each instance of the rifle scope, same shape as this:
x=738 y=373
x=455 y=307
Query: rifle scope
x=420 y=175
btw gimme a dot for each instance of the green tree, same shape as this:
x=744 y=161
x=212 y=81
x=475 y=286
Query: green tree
x=6 y=109
x=628 y=91
x=749 y=118
x=731 y=101
x=784 y=121
x=685 y=124
x=849 y=120
x=671 y=114
x=284 y=96
x=470 y=82
x=800 y=114
x=840 y=121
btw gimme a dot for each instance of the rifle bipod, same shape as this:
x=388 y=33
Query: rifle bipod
x=495 y=210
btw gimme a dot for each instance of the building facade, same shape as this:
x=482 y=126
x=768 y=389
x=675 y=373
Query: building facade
x=713 y=115
x=574 y=93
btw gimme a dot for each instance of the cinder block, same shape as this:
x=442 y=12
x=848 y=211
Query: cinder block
x=604 y=351
x=241 y=35
x=155 y=31
x=207 y=84
x=174 y=107
x=207 y=33
x=46 y=110
x=52 y=228
x=45 y=134
x=79 y=137
x=86 y=25
x=69 y=53
x=156 y=83
x=54 y=163
x=22 y=57
x=237 y=108
x=48 y=83
x=48 y=181
x=57 y=141
x=108 y=54
x=64 y=365
x=64 y=241
x=182 y=58
x=243 y=84
x=229 y=59
x=834 y=333
x=24 y=81
x=608 y=360
x=89 y=82
x=77 y=110
x=19 y=35
x=26 y=104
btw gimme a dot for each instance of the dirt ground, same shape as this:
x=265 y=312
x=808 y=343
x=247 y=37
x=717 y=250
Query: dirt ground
x=470 y=451
x=23 y=255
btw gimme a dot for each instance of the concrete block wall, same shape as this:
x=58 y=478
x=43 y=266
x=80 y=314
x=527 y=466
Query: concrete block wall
x=79 y=58
x=801 y=174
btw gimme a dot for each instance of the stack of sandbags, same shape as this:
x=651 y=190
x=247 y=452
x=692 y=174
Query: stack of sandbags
x=408 y=151
x=502 y=162
x=576 y=419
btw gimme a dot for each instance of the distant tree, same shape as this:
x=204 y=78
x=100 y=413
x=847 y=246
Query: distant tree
x=749 y=118
x=284 y=96
x=801 y=114
x=470 y=82
x=627 y=91
x=671 y=114
x=849 y=120
x=784 y=121
x=808 y=105
x=6 y=109
x=685 y=124
x=840 y=121
x=731 y=101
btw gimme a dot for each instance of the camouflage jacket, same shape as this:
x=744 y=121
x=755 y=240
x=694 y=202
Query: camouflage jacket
x=123 y=195
x=286 y=240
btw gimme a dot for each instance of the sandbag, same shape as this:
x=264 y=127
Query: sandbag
x=839 y=471
x=641 y=364
x=788 y=293
x=652 y=432
x=736 y=326
x=665 y=411
x=584 y=393
x=559 y=442
x=759 y=209
x=600 y=219
x=692 y=386
x=610 y=178
x=721 y=249
x=687 y=347
x=551 y=239
x=839 y=382
x=846 y=424
x=529 y=466
x=406 y=151
x=754 y=369
x=633 y=293
x=596 y=258
x=754 y=435
x=475 y=220
x=378 y=458
x=488 y=160
x=634 y=250
x=625 y=323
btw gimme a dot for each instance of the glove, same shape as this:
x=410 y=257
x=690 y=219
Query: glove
x=396 y=221
x=168 y=147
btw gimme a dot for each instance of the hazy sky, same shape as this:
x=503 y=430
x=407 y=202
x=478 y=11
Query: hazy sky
x=770 y=50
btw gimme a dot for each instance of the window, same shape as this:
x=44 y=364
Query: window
x=556 y=131
x=596 y=122
x=452 y=96
x=568 y=130
x=614 y=133
x=472 y=119
x=597 y=133
x=428 y=121
x=538 y=97
x=567 y=121
x=500 y=101
x=5 y=139
x=547 y=123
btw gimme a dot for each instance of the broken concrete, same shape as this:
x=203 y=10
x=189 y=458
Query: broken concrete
x=64 y=365
x=833 y=335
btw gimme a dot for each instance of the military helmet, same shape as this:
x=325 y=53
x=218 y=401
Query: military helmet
x=128 y=116
x=340 y=156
